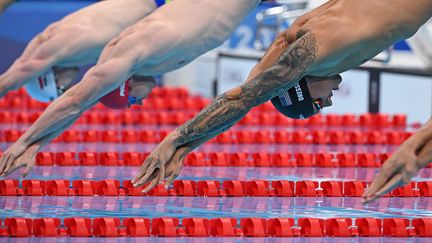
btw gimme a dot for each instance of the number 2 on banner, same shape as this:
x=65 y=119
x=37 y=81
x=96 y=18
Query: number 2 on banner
x=245 y=34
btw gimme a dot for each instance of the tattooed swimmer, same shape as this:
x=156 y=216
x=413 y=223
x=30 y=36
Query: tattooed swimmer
x=333 y=38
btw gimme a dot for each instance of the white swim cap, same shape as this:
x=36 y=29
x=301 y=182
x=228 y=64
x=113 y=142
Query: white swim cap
x=44 y=88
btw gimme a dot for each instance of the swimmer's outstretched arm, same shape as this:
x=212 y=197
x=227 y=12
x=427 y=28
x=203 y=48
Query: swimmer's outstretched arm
x=108 y=74
x=76 y=100
x=42 y=52
x=65 y=110
x=233 y=105
x=228 y=108
x=24 y=70
x=11 y=161
x=414 y=154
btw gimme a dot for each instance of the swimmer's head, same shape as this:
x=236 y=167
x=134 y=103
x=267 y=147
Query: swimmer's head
x=321 y=89
x=307 y=98
x=140 y=88
x=131 y=92
x=52 y=83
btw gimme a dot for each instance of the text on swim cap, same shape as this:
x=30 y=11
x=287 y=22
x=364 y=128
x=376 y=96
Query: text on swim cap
x=122 y=89
x=299 y=92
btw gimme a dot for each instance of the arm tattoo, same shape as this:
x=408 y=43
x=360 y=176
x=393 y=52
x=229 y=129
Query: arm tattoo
x=225 y=111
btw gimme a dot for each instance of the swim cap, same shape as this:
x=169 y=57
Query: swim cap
x=118 y=98
x=296 y=102
x=44 y=88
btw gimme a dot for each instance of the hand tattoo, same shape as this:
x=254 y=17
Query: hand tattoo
x=233 y=105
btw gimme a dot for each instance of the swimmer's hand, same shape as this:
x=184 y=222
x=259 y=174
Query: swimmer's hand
x=169 y=156
x=398 y=170
x=164 y=161
x=18 y=156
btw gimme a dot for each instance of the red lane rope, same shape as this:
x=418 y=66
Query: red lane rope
x=216 y=227
x=257 y=116
x=206 y=188
x=262 y=136
x=173 y=106
x=224 y=159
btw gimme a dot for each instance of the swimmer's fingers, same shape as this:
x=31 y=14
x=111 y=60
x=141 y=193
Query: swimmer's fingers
x=3 y=162
x=148 y=163
x=176 y=162
x=153 y=173
x=142 y=171
x=7 y=163
x=165 y=160
x=402 y=162
x=155 y=162
x=394 y=182
x=8 y=168
x=141 y=180
x=171 y=169
x=27 y=159
x=27 y=169
x=153 y=182
x=391 y=166
x=10 y=155
x=175 y=165
x=173 y=175
x=154 y=178
x=387 y=171
x=12 y=168
x=161 y=174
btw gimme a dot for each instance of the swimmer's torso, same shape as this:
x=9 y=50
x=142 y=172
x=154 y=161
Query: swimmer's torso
x=92 y=27
x=204 y=25
x=377 y=24
x=410 y=14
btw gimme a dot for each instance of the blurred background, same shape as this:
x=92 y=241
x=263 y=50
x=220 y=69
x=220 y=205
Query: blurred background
x=396 y=81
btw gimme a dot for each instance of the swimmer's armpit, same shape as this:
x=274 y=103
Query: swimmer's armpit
x=230 y=107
